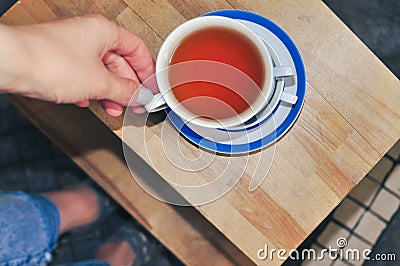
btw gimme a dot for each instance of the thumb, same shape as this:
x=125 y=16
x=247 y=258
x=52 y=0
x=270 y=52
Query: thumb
x=121 y=90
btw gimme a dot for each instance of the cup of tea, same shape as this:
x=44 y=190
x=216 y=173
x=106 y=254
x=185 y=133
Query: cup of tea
x=214 y=72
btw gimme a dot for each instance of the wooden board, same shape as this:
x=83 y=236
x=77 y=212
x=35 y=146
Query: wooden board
x=351 y=116
x=181 y=229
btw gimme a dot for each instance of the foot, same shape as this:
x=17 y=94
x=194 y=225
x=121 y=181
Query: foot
x=130 y=245
x=77 y=207
x=116 y=254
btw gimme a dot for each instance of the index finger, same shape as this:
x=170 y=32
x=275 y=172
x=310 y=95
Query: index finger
x=136 y=53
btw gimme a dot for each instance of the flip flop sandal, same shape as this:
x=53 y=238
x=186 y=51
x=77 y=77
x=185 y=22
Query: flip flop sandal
x=107 y=206
x=145 y=246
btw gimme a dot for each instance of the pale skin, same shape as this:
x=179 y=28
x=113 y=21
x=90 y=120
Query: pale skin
x=78 y=207
x=75 y=61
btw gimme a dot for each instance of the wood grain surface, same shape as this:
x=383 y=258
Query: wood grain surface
x=181 y=229
x=351 y=117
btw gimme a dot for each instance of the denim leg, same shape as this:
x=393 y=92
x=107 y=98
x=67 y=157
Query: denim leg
x=29 y=229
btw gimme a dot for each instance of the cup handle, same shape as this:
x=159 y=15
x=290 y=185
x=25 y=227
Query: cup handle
x=284 y=71
x=157 y=104
x=152 y=103
x=288 y=97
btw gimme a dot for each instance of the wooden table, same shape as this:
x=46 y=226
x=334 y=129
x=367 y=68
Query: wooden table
x=350 y=119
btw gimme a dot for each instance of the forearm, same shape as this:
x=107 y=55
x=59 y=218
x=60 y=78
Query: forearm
x=31 y=62
x=74 y=61
x=13 y=57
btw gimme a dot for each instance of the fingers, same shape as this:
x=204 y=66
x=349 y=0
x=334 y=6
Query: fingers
x=113 y=109
x=138 y=109
x=118 y=65
x=121 y=73
x=129 y=59
x=134 y=50
x=120 y=90
x=82 y=104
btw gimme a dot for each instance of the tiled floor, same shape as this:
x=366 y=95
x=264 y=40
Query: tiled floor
x=367 y=213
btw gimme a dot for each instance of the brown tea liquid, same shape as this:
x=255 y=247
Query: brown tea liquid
x=208 y=99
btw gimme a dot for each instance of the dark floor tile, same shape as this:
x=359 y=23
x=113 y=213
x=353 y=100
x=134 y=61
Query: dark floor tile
x=8 y=150
x=11 y=120
x=5 y=5
x=63 y=255
x=64 y=164
x=67 y=172
x=40 y=176
x=388 y=243
x=68 y=179
x=4 y=102
x=113 y=222
x=12 y=178
x=375 y=22
x=393 y=63
x=57 y=151
x=34 y=145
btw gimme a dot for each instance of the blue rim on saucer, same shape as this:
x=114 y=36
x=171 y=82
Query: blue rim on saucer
x=192 y=136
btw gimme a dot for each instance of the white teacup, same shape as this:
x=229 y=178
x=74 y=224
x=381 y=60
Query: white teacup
x=166 y=97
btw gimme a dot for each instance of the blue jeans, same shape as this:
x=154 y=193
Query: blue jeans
x=29 y=230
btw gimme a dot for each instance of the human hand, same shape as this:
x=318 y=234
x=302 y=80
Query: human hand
x=74 y=61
